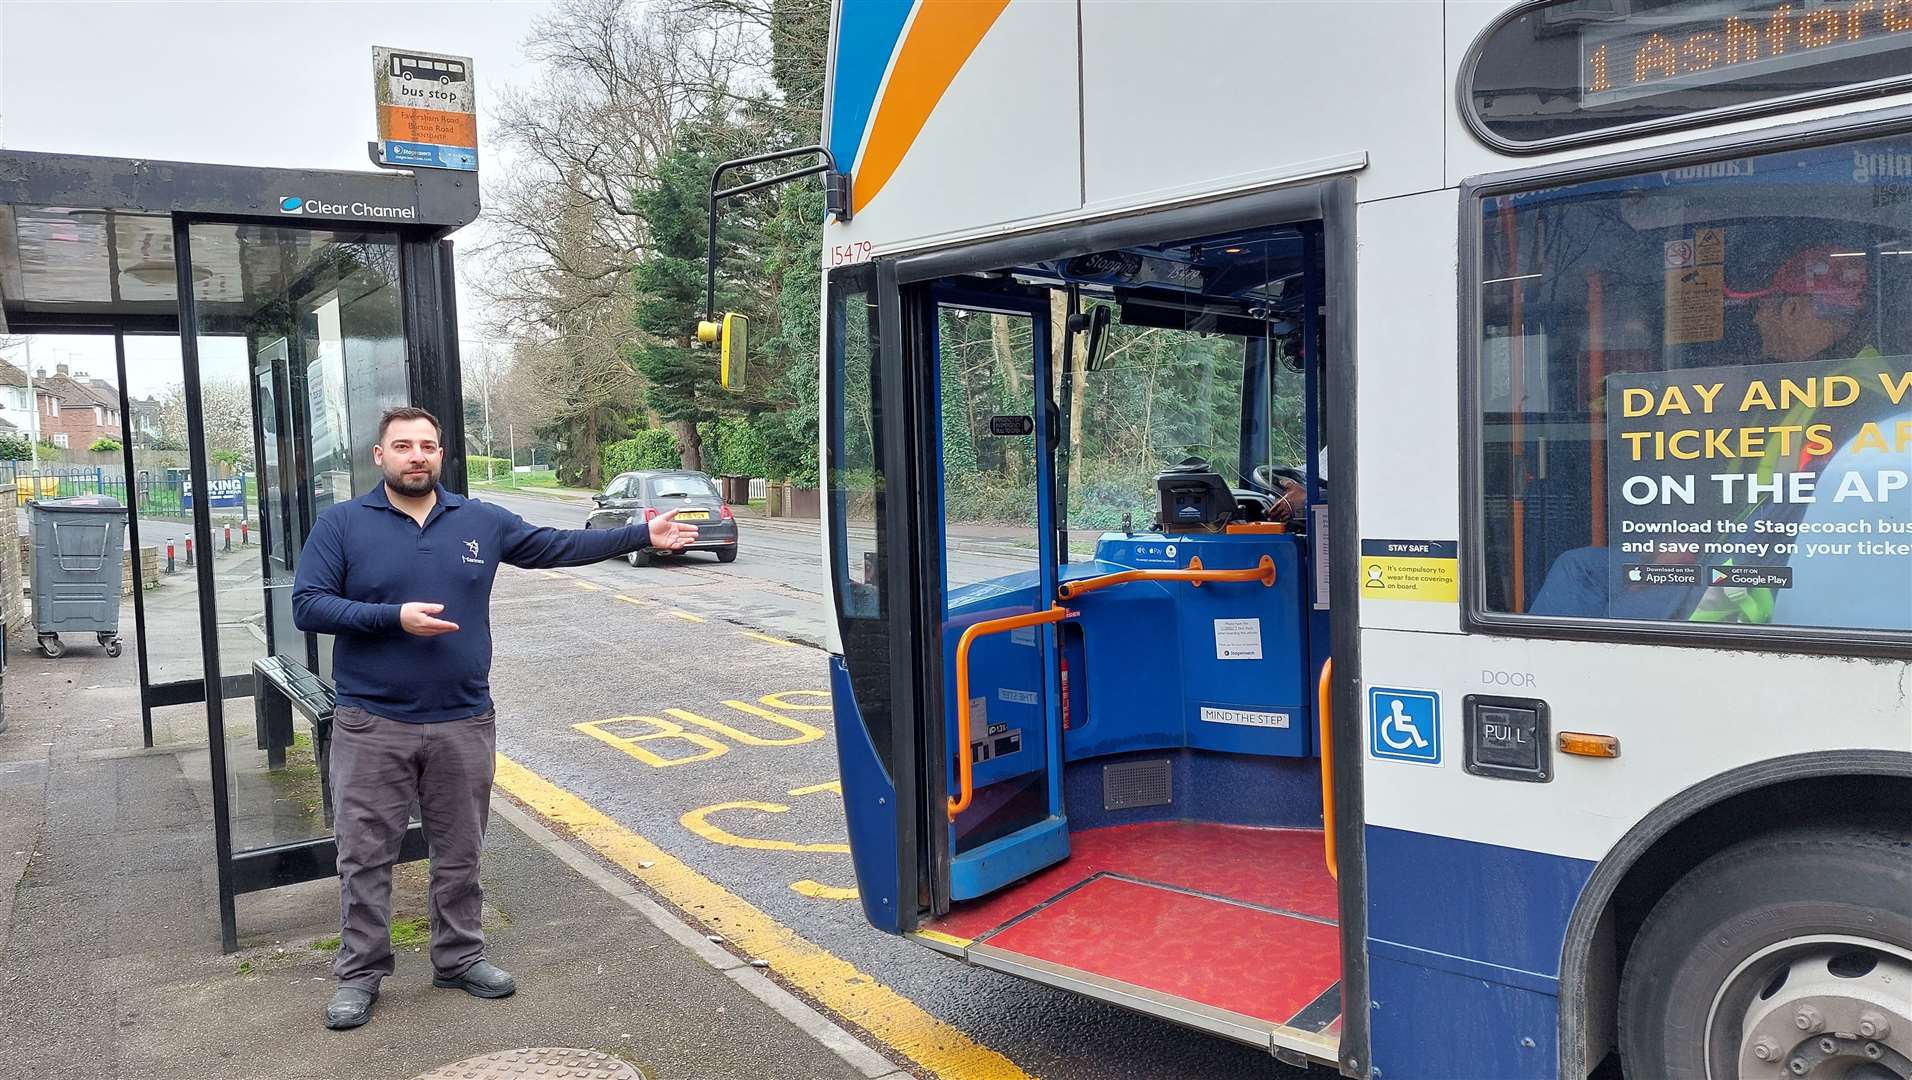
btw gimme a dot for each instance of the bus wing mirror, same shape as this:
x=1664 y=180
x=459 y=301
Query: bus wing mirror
x=1098 y=325
x=732 y=338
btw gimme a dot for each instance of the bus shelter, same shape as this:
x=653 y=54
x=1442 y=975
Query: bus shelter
x=259 y=322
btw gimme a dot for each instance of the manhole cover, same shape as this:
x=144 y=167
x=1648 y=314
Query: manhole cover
x=537 y=1063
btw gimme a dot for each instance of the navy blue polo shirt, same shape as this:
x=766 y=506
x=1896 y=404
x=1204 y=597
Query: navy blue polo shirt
x=366 y=558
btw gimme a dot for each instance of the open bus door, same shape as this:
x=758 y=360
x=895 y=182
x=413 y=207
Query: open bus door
x=1192 y=875
x=993 y=602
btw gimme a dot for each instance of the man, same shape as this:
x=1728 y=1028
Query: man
x=402 y=577
x=1810 y=309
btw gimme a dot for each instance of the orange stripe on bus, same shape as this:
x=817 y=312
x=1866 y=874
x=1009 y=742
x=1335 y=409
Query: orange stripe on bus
x=939 y=42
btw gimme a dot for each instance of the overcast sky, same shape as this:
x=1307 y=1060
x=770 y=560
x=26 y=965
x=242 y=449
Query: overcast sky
x=274 y=84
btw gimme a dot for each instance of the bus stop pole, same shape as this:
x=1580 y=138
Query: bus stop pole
x=208 y=614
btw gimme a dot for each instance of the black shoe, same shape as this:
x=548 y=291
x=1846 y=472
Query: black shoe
x=349 y=1007
x=483 y=979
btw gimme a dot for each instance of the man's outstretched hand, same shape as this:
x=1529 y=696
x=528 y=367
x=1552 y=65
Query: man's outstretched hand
x=669 y=534
x=422 y=619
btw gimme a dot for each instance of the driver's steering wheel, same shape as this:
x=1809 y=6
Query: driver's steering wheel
x=1264 y=476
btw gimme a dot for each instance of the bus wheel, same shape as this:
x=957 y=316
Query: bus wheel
x=1784 y=957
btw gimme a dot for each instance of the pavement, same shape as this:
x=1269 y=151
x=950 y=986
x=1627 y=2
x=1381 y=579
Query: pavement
x=109 y=935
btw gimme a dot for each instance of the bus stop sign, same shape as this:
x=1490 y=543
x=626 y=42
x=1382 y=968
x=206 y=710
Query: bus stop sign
x=427 y=110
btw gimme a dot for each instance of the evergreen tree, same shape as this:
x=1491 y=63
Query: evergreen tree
x=681 y=382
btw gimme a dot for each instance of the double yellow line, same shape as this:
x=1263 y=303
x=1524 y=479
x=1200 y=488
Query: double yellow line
x=939 y=1048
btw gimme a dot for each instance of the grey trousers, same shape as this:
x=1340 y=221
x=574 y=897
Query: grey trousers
x=379 y=767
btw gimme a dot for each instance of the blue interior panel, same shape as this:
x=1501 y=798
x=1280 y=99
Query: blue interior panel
x=1228 y=789
x=1153 y=652
x=1006 y=675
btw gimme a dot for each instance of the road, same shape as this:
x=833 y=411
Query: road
x=687 y=703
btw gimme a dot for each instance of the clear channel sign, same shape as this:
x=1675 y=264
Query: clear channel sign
x=427 y=109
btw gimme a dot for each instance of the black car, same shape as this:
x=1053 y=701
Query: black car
x=640 y=496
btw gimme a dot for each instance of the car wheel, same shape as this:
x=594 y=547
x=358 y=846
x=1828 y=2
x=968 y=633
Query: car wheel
x=728 y=554
x=1785 y=956
x=640 y=557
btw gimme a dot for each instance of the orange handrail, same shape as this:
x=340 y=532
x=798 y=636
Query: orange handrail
x=1326 y=711
x=1263 y=572
x=975 y=630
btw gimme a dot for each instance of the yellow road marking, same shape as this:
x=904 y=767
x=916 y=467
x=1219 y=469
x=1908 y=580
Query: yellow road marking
x=553 y=574
x=947 y=939
x=771 y=640
x=776 y=701
x=632 y=600
x=894 y=1020
x=660 y=730
x=588 y=587
x=805 y=733
x=688 y=617
x=818 y=891
x=833 y=785
x=698 y=821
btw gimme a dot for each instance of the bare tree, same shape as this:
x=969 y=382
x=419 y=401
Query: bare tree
x=485 y=368
x=618 y=80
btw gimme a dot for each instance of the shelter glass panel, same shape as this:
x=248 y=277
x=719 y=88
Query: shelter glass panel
x=301 y=348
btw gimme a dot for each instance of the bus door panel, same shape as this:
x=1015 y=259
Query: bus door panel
x=994 y=464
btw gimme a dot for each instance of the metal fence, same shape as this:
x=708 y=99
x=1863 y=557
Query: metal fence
x=163 y=494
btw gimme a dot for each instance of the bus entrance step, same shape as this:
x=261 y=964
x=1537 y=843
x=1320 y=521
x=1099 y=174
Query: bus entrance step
x=1277 y=967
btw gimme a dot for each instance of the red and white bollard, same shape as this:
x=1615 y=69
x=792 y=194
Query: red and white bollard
x=189 y=551
x=171 y=566
x=228 y=546
x=245 y=534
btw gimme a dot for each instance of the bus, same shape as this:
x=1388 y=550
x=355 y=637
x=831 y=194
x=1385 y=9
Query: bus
x=444 y=72
x=1383 y=531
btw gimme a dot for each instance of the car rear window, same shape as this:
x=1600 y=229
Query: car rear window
x=682 y=487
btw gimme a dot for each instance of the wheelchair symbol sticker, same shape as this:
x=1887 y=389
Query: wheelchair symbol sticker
x=1404 y=725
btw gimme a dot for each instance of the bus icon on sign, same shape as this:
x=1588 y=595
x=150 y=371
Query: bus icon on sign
x=410 y=68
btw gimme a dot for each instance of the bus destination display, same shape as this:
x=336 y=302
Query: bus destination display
x=1651 y=55
x=1561 y=72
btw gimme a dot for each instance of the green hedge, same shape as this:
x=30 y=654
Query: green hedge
x=475 y=467
x=735 y=446
x=653 y=448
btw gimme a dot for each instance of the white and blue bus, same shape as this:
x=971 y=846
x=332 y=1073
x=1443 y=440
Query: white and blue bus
x=1383 y=530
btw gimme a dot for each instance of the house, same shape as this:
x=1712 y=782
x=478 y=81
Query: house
x=143 y=421
x=75 y=411
x=14 y=409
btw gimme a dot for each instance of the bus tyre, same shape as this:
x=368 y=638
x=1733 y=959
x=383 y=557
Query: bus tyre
x=1785 y=956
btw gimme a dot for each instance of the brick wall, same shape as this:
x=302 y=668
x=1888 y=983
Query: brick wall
x=13 y=607
x=148 y=569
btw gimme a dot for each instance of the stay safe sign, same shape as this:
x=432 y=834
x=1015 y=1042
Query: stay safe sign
x=427 y=109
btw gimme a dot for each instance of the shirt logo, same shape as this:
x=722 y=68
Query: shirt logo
x=472 y=546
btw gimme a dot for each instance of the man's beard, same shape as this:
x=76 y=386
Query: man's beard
x=414 y=484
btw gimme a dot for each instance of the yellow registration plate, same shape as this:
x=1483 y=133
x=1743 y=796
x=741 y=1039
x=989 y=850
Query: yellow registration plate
x=694 y=515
